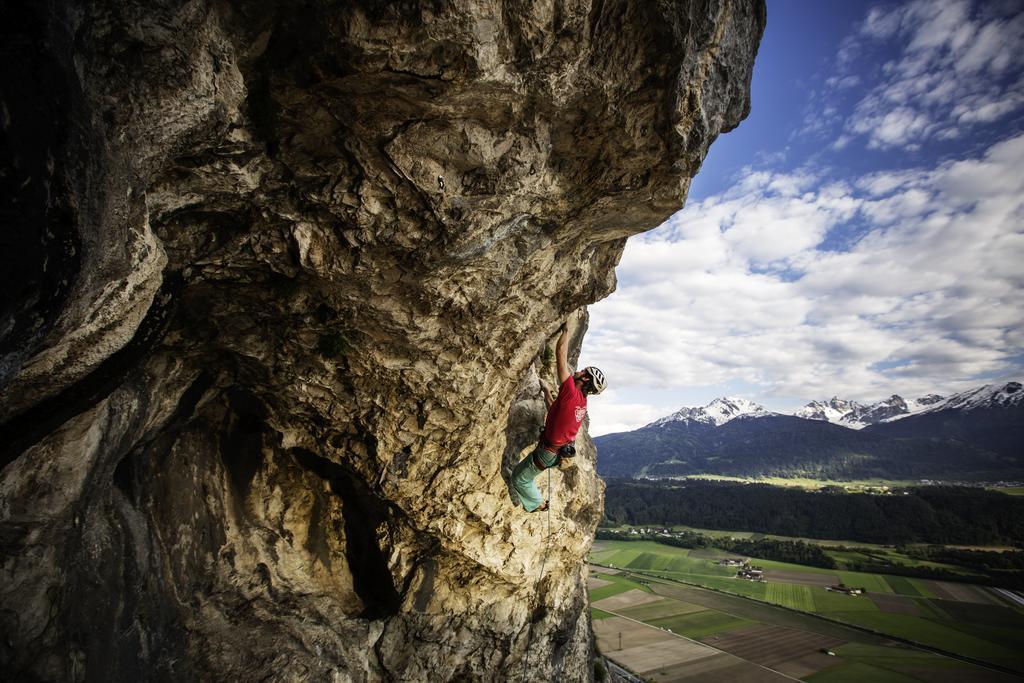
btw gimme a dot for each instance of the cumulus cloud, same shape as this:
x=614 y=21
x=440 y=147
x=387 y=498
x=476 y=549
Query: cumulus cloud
x=941 y=66
x=923 y=293
x=616 y=413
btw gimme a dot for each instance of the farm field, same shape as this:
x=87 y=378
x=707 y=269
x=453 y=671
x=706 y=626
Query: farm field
x=699 y=635
x=852 y=551
x=660 y=656
x=847 y=554
x=811 y=484
x=969 y=620
x=874 y=663
x=657 y=654
x=790 y=651
x=791 y=596
x=1010 y=490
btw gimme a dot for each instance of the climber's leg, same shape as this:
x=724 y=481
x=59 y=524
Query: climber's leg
x=522 y=479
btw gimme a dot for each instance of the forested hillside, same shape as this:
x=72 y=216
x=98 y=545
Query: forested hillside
x=999 y=429
x=937 y=514
x=786 y=446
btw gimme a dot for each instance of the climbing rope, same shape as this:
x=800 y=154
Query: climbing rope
x=543 y=561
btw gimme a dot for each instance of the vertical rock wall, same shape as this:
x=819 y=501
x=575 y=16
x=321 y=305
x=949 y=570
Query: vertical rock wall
x=278 y=280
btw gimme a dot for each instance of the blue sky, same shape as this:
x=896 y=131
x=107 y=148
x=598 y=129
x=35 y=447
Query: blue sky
x=860 y=234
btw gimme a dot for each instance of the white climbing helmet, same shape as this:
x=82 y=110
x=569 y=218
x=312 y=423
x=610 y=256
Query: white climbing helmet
x=597 y=380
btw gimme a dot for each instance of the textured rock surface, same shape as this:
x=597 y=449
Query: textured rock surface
x=279 y=278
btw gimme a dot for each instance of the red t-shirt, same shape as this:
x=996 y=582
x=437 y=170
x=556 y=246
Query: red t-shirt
x=566 y=414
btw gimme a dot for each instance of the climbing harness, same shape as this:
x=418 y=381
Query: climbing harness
x=543 y=561
x=565 y=450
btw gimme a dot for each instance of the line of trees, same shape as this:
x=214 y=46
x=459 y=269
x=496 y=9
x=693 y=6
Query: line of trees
x=796 y=552
x=929 y=514
x=1001 y=569
x=985 y=560
x=997 y=578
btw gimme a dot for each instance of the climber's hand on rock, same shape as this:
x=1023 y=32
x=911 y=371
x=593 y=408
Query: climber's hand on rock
x=546 y=392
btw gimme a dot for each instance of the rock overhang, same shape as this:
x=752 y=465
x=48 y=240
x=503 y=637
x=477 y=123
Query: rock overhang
x=356 y=225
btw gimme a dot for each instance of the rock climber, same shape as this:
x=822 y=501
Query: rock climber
x=565 y=415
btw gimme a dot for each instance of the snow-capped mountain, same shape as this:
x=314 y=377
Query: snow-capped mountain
x=862 y=416
x=990 y=416
x=987 y=396
x=858 y=415
x=974 y=434
x=852 y=414
x=918 y=404
x=832 y=410
x=716 y=413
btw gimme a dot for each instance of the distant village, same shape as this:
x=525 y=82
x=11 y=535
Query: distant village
x=667 y=532
x=874 y=489
x=656 y=530
x=751 y=572
x=747 y=571
x=1000 y=484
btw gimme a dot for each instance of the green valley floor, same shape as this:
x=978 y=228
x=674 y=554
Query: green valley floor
x=672 y=614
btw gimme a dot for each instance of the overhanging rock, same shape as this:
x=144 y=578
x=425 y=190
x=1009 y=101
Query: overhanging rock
x=279 y=282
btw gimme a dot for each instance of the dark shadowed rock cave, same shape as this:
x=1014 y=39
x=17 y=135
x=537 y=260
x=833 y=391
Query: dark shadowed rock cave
x=278 y=279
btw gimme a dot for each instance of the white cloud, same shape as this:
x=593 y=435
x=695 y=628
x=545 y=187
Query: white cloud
x=881 y=23
x=841 y=83
x=611 y=413
x=949 y=64
x=925 y=296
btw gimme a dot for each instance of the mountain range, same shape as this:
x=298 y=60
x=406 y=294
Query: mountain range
x=972 y=434
x=857 y=416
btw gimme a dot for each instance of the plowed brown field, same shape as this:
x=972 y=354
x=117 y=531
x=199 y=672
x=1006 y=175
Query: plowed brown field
x=786 y=649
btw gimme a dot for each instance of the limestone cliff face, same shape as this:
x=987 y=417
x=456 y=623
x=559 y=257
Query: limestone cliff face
x=278 y=282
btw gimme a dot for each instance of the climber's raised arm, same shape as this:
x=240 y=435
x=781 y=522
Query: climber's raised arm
x=562 y=354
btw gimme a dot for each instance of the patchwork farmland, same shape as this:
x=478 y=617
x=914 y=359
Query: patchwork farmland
x=649 y=646
x=777 y=626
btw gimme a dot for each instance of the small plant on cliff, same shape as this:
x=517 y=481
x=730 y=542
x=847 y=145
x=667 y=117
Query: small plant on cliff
x=549 y=357
x=333 y=345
